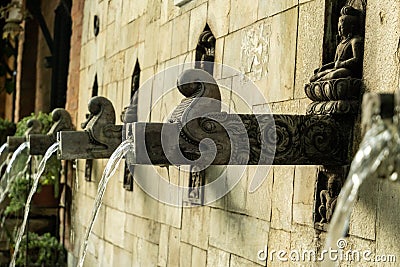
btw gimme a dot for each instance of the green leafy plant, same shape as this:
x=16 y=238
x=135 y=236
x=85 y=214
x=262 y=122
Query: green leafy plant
x=7 y=77
x=51 y=174
x=17 y=194
x=5 y=124
x=21 y=185
x=6 y=128
x=43 y=250
x=44 y=118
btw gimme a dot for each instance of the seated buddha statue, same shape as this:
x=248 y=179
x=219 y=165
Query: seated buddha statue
x=349 y=52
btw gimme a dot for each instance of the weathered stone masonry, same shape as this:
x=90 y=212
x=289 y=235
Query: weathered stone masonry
x=277 y=44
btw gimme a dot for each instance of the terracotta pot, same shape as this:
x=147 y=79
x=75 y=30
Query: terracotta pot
x=45 y=198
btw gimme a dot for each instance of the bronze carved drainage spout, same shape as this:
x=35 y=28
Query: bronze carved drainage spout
x=99 y=138
x=39 y=143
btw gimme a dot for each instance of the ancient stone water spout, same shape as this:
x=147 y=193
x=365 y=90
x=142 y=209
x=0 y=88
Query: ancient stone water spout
x=238 y=139
x=199 y=134
x=99 y=138
x=39 y=143
x=34 y=127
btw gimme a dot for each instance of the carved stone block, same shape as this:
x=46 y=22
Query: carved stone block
x=34 y=127
x=335 y=96
x=200 y=135
x=329 y=183
x=88 y=169
x=335 y=89
x=128 y=178
x=100 y=136
x=14 y=142
x=257 y=139
x=39 y=143
x=195 y=195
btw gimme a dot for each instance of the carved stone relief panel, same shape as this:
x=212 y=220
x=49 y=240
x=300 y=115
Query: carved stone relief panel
x=195 y=193
x=335 y=87
x=88 y=169
x=359 y=4
x=328 y=185
x=254 y=53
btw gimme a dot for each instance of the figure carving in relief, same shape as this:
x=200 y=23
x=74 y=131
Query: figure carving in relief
x=328 y=198
x=349 y=52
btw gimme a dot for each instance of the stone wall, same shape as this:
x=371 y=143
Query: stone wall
x=277 y=44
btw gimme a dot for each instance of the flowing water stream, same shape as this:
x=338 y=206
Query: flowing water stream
x=18 y=164
x=109 y=171
x=378 y=146
x=4 y=158
x=3 y=153
x=42 y=165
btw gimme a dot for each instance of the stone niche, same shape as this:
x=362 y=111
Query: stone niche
x=329 y=182
x=335 y=87
x=335 y=90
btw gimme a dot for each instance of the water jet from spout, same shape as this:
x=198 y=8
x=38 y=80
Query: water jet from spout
x=14 y=165
x=112 y=164
x=3 y=152
x=42 y=165
x=374 y=150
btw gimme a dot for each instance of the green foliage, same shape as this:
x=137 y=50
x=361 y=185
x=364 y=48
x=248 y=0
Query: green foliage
x=51 y=174
x=44 y=118
x=5 y=125
x=7 y=78
x=6 y=128
x=18 y=193
x=44 y=250
x=19 y=187
x=52 y=171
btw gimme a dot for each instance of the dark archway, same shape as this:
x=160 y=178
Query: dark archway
x=60 y=57
x=205 y=51
x=135 y=82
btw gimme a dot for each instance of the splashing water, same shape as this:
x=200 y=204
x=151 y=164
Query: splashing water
x=109 y=171
x=3 y=152
x=4 y=158
x=18 y=164
x=42 y=165
x=3 y=147
x=373 y=152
